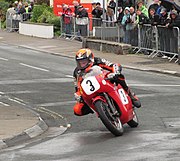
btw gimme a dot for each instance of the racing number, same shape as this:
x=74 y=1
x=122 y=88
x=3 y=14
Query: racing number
x=92 y=88
x=90 y=85
x=124 y=98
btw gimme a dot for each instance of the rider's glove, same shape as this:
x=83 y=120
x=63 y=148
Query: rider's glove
x=78 y=97
x=117 y=69
x=113 y=75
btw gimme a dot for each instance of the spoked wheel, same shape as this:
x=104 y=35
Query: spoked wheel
x=134 y=122
x=110 y=120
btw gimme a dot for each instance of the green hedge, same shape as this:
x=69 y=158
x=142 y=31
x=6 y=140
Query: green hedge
x=3 y=8
x=44 y=14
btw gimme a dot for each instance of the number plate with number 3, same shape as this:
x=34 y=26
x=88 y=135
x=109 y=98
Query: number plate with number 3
x=90 y=85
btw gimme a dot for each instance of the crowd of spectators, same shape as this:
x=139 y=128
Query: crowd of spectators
x=127 y=13
x=20 y=8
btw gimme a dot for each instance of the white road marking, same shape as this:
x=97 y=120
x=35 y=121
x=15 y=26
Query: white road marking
x=21 y=92
x=57 y=103
x=34 y=67
x=45 y=47
x=1 y=92
x=155 y=85
x=51 y=80
x=69 y=76
x=17 y=101
x=3 y=59
x=4 y=104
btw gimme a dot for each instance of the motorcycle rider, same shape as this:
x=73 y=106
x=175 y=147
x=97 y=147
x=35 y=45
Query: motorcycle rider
x=85 y=60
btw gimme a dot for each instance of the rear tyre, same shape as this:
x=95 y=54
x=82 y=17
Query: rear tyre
x=112 y=122
x=134 y=122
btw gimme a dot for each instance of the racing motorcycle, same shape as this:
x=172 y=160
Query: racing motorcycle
x=108 y=100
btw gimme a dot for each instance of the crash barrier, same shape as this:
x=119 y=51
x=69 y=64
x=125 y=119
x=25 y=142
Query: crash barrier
x=114 y=31
x=72 y=27
x=159 y=41
x=106 y=30
x=12 y=20
x=151 y=40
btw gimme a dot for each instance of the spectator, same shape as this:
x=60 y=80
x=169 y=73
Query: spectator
x=97 y=12
x=126 y=3
x=163 y=17
x=163 y=33
x=76 y=6
x=133 y=28
x=82 y=14
x=12 y=15
x=156 y=6
x=21 y=9
x=26 y=7
x=16 y=8
x=31 y=6
x=67 y=16
x=120 y=15
x=153 y=17
x=112 y=5
x=125 y=22
x=110 y=16
x=10 y=10
x=141 y=17
x=175 y=19
x=143 y=8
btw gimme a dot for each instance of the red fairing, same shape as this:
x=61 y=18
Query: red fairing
x=93 y=87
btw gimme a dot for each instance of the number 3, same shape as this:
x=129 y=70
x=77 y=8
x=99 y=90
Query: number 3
x=92 y=88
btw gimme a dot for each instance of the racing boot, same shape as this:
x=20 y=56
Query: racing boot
x=135 y=100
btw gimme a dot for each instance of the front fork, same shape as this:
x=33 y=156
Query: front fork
x=113 y=109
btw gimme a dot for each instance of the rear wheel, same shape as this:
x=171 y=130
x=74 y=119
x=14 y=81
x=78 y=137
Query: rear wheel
x=109 y=119
x=134 y=122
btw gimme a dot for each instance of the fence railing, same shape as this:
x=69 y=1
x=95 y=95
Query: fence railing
x=72 y=27
x=12 y=20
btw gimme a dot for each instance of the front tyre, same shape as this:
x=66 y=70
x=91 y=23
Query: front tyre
x=112 y=122
x=134 y=122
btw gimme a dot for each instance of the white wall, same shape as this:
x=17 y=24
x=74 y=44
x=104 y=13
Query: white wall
x=43 y=31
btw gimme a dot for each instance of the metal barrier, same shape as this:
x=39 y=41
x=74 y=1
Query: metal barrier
x=168 y=42
x=12 y=20
x=72 y=27
x=151 y=40
x=159 y=40
x=112 y=31
x=147 y=39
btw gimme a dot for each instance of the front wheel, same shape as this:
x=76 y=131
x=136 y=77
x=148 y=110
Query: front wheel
x=134 y=122
x=110 y=120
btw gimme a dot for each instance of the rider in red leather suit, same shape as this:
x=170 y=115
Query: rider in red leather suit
x=85 y=60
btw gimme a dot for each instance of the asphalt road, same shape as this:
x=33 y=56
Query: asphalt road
x=43 y=82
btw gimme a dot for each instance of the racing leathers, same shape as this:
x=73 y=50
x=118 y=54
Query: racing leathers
x=81 y=108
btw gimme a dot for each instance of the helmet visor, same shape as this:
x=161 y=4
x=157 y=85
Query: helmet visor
x=83 y=63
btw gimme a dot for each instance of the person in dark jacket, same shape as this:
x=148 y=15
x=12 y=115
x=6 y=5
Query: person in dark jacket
x=163 y=17
x=112 y=5
x=141 y=17
x=172 y=25
x=120 y=15
x=154 y=18
x=174 y=21
x=82 y=15
x=97 y=12
x=155 y=5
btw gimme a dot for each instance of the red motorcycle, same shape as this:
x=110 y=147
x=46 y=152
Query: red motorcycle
x=109 y=100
